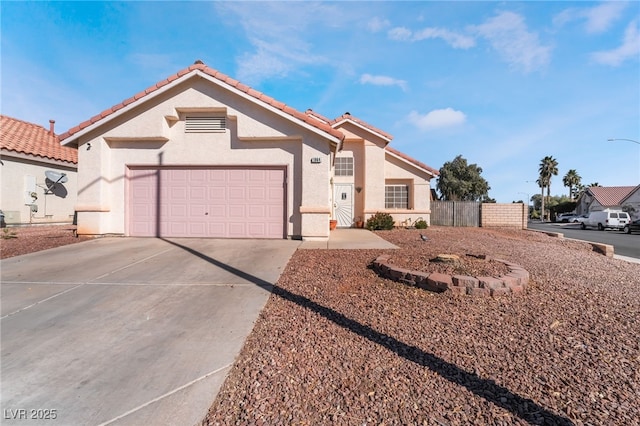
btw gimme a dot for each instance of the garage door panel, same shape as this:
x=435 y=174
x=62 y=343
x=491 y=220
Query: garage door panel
x=257 y=211
x=217 y=194
x=257 y=229
x=237 y=211
x=207 y=202
x=237 y=193
x=237 y=229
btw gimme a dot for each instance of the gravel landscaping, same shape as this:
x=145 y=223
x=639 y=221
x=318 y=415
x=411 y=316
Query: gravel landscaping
x=21 y=240
x=337 y=344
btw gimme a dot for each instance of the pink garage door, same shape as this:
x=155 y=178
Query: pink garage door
x=206 y=202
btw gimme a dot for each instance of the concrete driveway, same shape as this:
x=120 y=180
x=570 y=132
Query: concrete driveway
x=129 y=331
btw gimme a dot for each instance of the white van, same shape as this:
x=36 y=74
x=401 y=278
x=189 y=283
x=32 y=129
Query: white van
x=614 y=219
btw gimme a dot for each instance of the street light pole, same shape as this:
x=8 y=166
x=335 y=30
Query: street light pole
x=629 y=140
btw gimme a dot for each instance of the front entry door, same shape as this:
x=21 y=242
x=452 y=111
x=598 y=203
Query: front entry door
x=343 y=204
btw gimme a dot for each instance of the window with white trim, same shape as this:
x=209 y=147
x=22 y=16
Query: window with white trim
x=344 y=166
x=396 y=197
x=200 y=124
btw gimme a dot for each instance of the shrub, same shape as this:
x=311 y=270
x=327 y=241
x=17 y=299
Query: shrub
x=421 y=224
x=380 y=221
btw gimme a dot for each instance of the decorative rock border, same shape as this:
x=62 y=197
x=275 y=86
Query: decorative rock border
x=515 y=282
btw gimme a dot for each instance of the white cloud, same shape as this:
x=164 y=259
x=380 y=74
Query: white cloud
x=278 y=31
x=630 y=48
x=400 y=34
x=382 y=80
x=597 y=19
x=455 y=40
x=508 y=35
x=377 y=24
x=601 y=17
x=436 y=119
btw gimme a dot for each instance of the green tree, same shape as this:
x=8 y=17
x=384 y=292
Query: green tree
x=572 y=180
x=460 y=181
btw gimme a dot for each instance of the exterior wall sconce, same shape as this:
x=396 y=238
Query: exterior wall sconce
x=88 y=146
x=358 y=189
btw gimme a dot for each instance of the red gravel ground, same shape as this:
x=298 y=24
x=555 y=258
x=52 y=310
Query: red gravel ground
x=336 y=344
x=16 y=241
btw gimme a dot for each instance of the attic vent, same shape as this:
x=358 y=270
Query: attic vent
x=205 y=124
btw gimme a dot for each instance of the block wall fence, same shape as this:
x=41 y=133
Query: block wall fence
x=509 y=215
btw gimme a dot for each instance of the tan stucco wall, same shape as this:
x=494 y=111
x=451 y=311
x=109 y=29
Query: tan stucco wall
x=254 y=136
x=374 y=168
x=17 y=172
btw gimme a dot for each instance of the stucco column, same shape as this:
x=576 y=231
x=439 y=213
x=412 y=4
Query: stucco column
x=93 y=201
x=315 y=208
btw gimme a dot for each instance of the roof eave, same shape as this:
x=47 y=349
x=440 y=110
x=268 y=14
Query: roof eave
x=99 y=121
x=433 y=173
x=345 y=120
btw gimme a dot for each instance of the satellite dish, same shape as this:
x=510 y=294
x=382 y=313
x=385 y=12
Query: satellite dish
x=56 y=177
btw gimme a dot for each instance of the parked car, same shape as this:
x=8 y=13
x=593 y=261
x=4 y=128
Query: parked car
x=565 y=217
x=579 y=219
x=613 y=219
x=633 y=226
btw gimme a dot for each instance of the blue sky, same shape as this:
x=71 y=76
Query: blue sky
x=501 y=83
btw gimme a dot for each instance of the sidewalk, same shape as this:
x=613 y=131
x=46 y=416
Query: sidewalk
x=349 y=239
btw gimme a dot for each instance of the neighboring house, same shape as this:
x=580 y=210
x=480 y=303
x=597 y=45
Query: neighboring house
x=202 y=155
x=597 y=198
x=31 y=157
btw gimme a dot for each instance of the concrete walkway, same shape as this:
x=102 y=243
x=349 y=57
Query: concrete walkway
x=350 y=238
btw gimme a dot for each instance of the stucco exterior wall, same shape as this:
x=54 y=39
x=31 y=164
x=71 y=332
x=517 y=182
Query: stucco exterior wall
x=21 y=176
x=399 y=172
x=254 y=136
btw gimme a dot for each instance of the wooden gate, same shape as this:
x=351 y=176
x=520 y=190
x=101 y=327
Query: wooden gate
x=455 y=213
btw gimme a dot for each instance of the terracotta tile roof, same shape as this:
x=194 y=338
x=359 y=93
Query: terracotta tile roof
x=199 y=66
x=347 y=116
x=317 y=116
x=28 y=138
x=611 y=195
x=413 y=160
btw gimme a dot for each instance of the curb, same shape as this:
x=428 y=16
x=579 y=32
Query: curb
x=605 y=249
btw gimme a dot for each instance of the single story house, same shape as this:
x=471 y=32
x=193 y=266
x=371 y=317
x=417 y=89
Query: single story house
x=200 y=154
x=39 y=182
x=597 y=198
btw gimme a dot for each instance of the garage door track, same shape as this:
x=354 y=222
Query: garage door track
x=129 y=331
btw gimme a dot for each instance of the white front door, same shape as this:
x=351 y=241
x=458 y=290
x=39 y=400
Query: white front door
x=343 y=204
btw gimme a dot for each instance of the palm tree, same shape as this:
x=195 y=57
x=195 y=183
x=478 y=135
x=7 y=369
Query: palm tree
x=571 y=179
x=548 y=167
x=541 y=183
